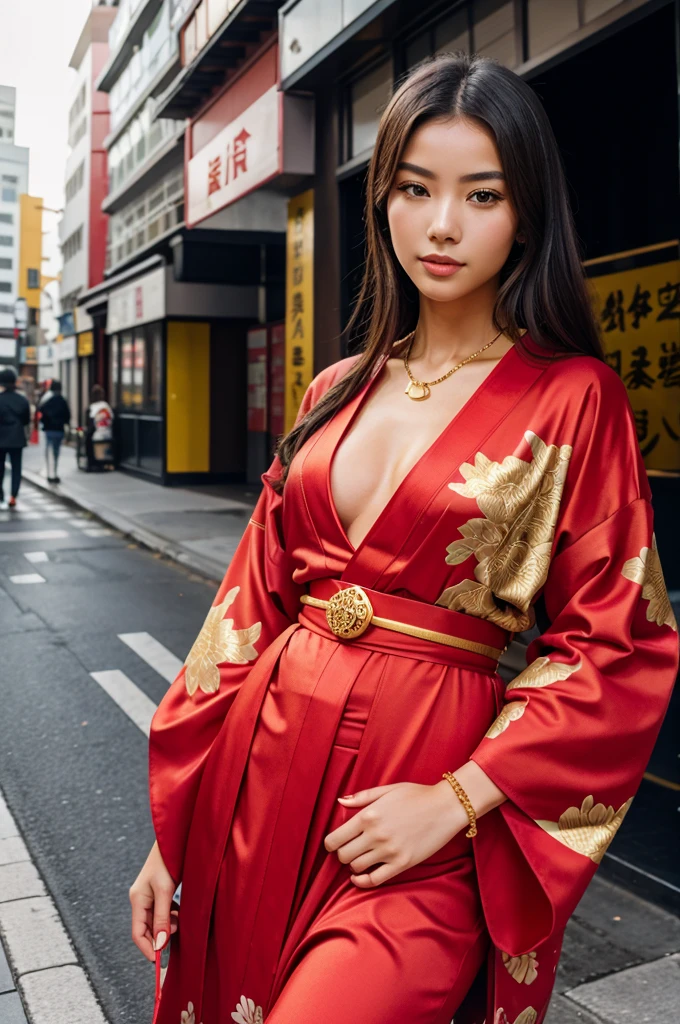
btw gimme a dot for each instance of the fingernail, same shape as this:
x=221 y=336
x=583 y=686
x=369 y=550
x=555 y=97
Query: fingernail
x=160 y=941
x=348 y=797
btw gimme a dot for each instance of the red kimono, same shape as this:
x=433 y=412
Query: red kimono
x=536 y=488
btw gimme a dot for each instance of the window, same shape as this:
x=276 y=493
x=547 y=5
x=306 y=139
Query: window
x=73 y=244
x=5 y=286
x=5 y=263
x=6 y=240
x=33 y=278
x=8 y=195
x=10 y=179
x=4 y=308
x=6 y=218
x=370 y=95
x=75 y=182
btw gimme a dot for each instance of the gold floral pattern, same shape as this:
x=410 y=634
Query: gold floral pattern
x=542 y=672
x=645 y=569
x=587 y=830
x=524 y=968
x=510 y=713
x=188 y=1015
x=246 y=1012
x=217 y=642
x=528 y=1016
x=520 y=501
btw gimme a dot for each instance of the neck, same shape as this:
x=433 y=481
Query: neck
x=448 y=332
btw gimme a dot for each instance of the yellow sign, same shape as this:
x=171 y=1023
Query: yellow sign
x=639 y=314
x=299 y=356
x=86 y=344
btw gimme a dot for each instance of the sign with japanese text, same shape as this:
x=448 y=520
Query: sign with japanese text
x=140 y=302
x=243 y=156
x=277 y=379
x=639 y=314
x=299 y=302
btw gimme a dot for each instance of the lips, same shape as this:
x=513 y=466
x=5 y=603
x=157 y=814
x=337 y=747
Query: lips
x=434 y=257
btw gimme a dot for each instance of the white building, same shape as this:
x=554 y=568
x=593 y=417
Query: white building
x=13 y=181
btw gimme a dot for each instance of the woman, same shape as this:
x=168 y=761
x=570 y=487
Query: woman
x=513 y=478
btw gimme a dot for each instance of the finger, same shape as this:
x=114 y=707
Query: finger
x=350 y=851
x=366 y=796
x=142 y=918
x=369 y=880
x=360 y=865
x=161 y=916
x=343 y=834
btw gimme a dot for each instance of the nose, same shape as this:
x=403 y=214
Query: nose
x=445 y=223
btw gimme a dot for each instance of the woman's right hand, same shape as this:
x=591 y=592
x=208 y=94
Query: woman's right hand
x=153 y=921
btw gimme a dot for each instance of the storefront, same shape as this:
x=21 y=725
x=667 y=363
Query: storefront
x=177 y=381
x=246 y=153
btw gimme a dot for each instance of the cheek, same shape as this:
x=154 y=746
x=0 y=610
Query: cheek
x=403 y=228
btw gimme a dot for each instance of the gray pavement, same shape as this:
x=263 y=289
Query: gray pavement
x=108 y=619
x=197 y=527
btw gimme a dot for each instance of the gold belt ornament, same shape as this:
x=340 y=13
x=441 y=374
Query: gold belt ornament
x=349 y=613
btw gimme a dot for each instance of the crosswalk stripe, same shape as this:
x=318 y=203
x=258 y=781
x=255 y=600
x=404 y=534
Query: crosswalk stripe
x=36 y=556
x=24 y=535
x=153 y=653
x=28 y=577
x=128 y=696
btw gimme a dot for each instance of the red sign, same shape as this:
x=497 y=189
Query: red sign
x=257 y=379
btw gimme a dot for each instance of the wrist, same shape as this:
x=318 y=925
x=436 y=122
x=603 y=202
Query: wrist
x=452 y=809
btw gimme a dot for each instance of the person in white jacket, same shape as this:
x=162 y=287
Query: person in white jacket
x=99 y=422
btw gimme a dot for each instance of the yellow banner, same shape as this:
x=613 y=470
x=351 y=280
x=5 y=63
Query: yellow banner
x=299 y=356
x=639 y=314
x=86 y=344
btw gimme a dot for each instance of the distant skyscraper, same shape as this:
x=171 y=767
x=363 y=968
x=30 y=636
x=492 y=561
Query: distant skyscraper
x=13 y=181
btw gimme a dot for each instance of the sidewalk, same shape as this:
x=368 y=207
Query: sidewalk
x=198 y=528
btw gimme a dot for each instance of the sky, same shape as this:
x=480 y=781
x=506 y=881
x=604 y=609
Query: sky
x=36 y=43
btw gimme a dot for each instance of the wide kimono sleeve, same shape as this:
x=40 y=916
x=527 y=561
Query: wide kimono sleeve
x=256 y=601
x=577 y=727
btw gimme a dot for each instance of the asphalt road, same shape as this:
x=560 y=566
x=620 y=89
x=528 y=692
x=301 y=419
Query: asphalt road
x=73 y=765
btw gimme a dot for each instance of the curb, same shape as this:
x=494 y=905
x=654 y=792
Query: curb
x=50 y=983
x=211 y=571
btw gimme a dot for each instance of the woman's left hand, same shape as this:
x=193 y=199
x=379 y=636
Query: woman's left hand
x=399 y=826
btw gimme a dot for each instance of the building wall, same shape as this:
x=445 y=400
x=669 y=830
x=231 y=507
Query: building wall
x=13 y=181
x=30 y=249
x=75 y=271
x=97 y=185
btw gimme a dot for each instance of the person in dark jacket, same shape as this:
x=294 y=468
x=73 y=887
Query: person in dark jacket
x=15 y=415
x=55 y=415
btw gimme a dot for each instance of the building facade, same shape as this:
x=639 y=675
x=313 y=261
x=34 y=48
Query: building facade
x=83 y=226
x=13 y=183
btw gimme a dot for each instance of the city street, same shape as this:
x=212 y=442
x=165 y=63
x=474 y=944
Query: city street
x=94 y=629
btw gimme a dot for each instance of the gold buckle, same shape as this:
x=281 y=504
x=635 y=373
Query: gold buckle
x=349 y=613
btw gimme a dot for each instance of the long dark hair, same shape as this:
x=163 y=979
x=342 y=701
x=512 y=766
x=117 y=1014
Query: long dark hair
x=542 y=284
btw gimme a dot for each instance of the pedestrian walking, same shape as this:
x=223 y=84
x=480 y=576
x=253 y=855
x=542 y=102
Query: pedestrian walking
x=366 y=824
x=99 y=433
x=15 y=417
x=55 y=416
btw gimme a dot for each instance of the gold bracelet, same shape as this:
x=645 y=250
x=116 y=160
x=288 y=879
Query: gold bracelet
x=465 y=800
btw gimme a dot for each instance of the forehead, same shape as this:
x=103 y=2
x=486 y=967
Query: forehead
x=454 y=144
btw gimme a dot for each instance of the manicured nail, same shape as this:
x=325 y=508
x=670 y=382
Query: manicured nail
x=160 y=941
x=349 y=796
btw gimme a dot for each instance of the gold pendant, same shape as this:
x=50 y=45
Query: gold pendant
x=417 y=391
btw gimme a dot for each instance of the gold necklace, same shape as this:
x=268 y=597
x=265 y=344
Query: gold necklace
x=419 y=390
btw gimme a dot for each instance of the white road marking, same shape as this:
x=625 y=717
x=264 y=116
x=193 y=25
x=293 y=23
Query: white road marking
x=24 y=535
x=28 y=577
x=153 y=653
x=81 y=522
x=36 y=556
x=129 y=698
x=59 y=515
x=20 y=514
x=54 y=989
x=98 y=531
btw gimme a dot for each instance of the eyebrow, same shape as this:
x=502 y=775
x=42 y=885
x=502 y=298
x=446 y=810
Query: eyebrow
x=475 y=176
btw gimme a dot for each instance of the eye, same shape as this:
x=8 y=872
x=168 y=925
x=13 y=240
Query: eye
x=493 y=197
x=412 y=184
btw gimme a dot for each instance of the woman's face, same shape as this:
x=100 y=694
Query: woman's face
x=449 y=199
